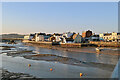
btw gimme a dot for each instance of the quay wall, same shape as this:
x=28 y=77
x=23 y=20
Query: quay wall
x=63 y=45
x=106 y=44
x=39 y=42
x=71 y=45
x=76 y=45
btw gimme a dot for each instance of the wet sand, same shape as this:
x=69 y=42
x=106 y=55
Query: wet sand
x=82 y=49
x=29 y=54
x=70 y=61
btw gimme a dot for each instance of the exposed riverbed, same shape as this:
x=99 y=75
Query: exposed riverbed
x=64 y=64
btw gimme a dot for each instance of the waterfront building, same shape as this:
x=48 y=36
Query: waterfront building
x=32 y=36
x=69 y=40
x=86 y=34
x=56 y=37
x=47 y=37
x=77 y=39
x=39 y=36
x=63 y=40
x=52 y=39
x=74 y=36
x=68 y=37
x=27 y=37
x=36 y=37
x=110 y=37
x=101 y=36
x=118 y=37
x=94 y=37
x=42 y=37
x=68 y=34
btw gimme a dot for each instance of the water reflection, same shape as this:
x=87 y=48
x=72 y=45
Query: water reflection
x=41 y=68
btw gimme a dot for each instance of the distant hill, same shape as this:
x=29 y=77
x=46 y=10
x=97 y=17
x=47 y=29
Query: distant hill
x=12 y=36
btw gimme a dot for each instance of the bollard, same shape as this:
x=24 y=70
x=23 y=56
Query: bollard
x=81 y=74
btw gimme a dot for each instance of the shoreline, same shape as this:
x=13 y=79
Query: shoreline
x=81 y=49
x=14 y=76
x=29 y=54
x=56 y=58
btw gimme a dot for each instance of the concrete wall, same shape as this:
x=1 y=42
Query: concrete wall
x=107 y=44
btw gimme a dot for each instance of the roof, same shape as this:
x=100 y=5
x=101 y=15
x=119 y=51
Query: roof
x=41 y=34
x=32 y=34
x=107 y=34
x=48 y=34
x=74 y=36
x=57 y=34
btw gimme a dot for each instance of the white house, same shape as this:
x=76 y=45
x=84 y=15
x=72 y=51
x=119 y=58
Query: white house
x=27 y=37
x=114 y=37
x=57 y=37
x=36 y=37
x=68 y=34
x=39 y=36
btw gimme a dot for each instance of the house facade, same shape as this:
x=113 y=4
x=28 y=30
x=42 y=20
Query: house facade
x=27 y=37
x=68 y=34
x=78 y=39
x=94 y=38
x=39 y=36
x=118 y=37
x=111 y=37
x=56 y=37
x=32 y=36
x=86 y=34
x=47 y=37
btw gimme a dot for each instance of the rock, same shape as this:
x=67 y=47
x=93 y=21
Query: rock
x=6 y=75
x=26 y=77
x=13 y=77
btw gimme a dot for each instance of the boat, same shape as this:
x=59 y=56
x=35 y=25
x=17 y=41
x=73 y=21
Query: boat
x=98 y=49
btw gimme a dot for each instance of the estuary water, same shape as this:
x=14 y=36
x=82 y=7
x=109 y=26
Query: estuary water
x=102 y=64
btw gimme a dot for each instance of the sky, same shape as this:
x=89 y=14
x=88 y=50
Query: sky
x=50 y=17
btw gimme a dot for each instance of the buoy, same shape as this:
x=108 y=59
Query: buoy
x=29 y=65
x=81 y=74
x=50 y=69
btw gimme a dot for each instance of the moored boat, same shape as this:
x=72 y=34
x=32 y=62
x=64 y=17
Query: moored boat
x=98 y=49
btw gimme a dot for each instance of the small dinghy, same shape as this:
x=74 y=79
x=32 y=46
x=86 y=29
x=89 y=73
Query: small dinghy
x=98 y=49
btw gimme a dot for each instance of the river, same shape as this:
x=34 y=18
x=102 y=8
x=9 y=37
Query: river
x=41 y=68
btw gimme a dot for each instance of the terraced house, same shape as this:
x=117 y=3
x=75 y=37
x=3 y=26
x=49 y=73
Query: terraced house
x=110 y=37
